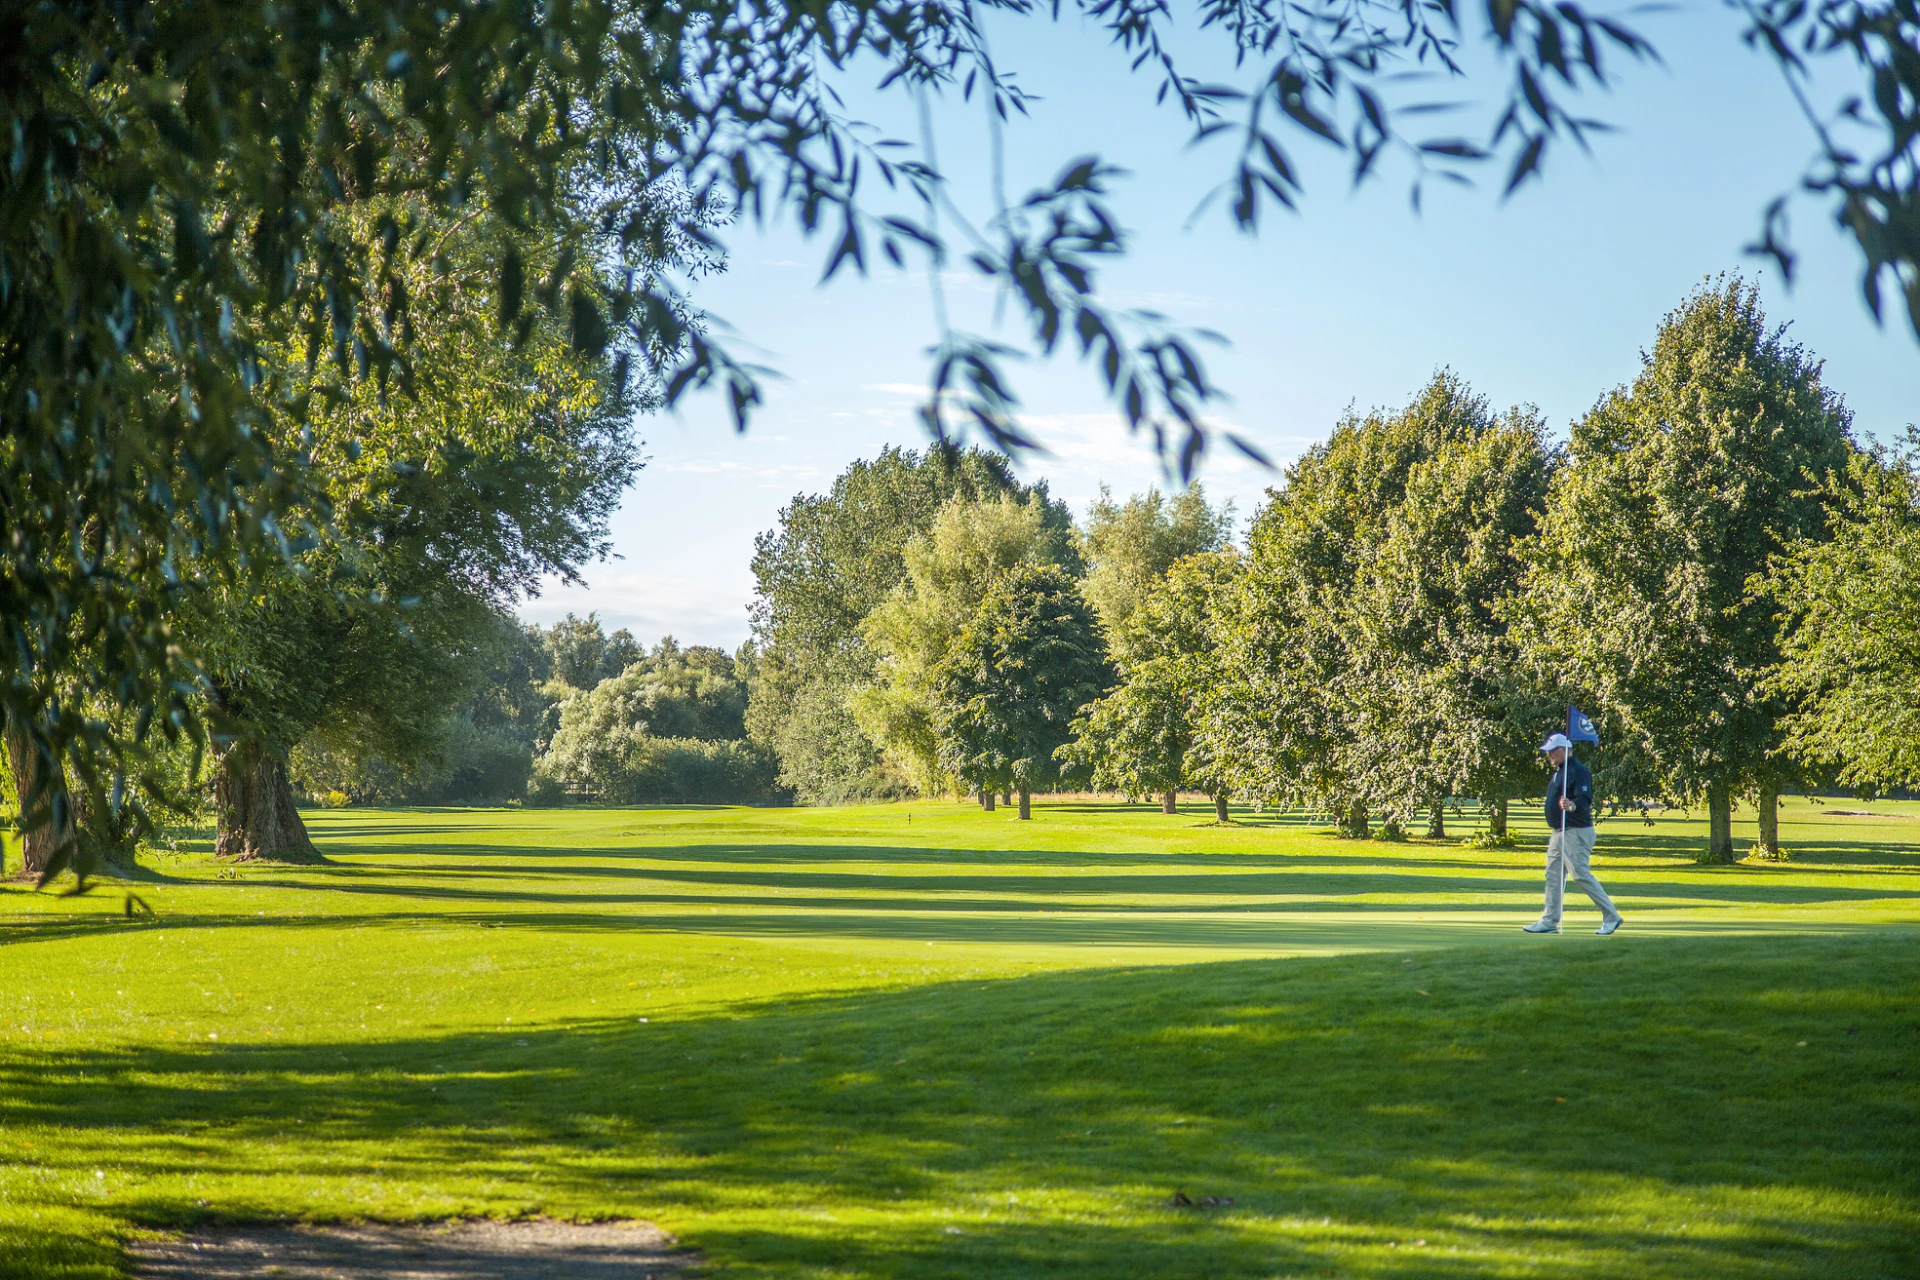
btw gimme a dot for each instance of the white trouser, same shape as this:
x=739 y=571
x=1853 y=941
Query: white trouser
x=1567 y=858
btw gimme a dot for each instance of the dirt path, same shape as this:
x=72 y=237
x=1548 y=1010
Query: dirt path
x=477 y=1249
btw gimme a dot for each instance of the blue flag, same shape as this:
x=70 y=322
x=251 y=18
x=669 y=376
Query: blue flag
x=1580 y=728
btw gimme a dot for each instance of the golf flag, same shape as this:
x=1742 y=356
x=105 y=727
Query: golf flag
x=1580 y=728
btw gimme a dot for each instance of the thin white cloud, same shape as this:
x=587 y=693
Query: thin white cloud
x=702 y=610
x=699 y=467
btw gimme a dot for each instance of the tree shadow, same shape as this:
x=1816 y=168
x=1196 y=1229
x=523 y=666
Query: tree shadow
x=1291 y=889
x=1578 y=1109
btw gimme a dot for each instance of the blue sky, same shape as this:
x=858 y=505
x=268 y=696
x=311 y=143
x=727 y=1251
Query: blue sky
x=1546 y=298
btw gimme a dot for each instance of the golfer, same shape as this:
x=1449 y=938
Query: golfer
x=1570 y=838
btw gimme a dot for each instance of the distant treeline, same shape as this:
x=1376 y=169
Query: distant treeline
x=1710 y=566
x=571 y=711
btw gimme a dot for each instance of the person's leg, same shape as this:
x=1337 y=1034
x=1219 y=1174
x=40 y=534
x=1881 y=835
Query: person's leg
x=1556 y=879
x=1579 y=854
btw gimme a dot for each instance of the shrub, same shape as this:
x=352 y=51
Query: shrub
x=544 y=791
x=636 y=768
x=692 y=771
x=470 y=764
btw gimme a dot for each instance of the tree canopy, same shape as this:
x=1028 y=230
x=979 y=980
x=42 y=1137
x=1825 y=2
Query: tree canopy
x=950 y=572
x=1849 y=604
x=833 y=559
x=221 y=223
x=434 y=510
x=1129 y=546
x=1013 y=679
x=1142 y=737
x=1679 y=488
x=1323 y=635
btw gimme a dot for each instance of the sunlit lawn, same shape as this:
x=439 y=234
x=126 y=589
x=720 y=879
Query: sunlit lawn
x=924 y=1041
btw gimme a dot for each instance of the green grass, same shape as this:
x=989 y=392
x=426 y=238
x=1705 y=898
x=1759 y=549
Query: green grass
x=923 y=1041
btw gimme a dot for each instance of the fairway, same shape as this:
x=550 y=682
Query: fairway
x=919 y=1041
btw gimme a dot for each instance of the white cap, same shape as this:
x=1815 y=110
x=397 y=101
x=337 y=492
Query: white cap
x=1557 y=740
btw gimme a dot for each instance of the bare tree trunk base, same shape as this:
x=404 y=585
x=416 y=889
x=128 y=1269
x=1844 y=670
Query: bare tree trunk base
x=1026 y=806
x=38 y=782
x=1220 y=814
x=1767 y=847
x=1719 y=827
x=1170 y=802
x=258 y=820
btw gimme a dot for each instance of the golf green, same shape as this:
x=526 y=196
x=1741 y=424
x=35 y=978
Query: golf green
x=923 y=1041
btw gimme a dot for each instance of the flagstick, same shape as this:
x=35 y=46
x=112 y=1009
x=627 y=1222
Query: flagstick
x=1566 y=770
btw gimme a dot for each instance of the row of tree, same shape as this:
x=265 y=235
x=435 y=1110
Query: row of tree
x=567 y=710
x=316 y=320
x=1709 y=564
x=882 y=604
x=665 y=726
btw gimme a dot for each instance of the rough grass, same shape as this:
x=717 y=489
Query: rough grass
x=922 y=1041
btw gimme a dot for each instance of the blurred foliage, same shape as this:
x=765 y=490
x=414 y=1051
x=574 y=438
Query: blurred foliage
x=1868 y=162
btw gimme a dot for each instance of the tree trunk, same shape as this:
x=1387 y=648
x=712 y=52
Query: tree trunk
x=1437 y=822
x=986 y=799
x=1220 y=807
x=1006 y=797
x=1170 y=801
x=1769 y=808
x=1353 y=821
x=1026 y=804
x=49 y=825
x=1719 y=824
x=1497 y=817
x=255 y=808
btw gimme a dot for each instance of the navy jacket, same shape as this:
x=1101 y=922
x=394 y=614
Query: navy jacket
x=1579 y=787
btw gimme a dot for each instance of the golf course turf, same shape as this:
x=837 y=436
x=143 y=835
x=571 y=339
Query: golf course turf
x=923 y=1041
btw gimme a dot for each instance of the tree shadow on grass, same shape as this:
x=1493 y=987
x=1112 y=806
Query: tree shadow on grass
x=1292 y=889
x=1592 y=1113
x=1296 y=911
